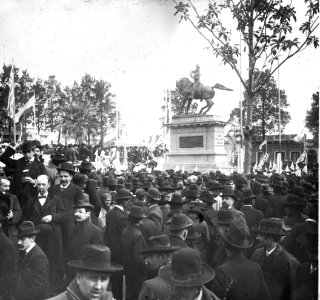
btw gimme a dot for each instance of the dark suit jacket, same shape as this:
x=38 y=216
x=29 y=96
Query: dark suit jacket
x=133 y=242
x=33 y=275
x=50 y=239
x=253 y=216
x=116 y=221
x=290 y=243
x=276 y=206
x=177 y=241
x=279 y=270
x=18 y=187
x=155 y=289
x=261 y=203
x=307 y=283
x=8 y=266
x=240 y=279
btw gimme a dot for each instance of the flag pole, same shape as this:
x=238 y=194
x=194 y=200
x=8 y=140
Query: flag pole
x=14 y=109
x=34 y=115
x=279 y=109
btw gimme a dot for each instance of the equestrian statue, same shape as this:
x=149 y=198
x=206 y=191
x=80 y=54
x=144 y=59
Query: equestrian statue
x=196 y=90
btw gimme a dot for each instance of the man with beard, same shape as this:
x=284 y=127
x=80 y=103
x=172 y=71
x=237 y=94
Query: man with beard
x=33 y=268
x=156 y=255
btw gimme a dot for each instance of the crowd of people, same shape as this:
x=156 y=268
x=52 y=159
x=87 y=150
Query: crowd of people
x=67 y=231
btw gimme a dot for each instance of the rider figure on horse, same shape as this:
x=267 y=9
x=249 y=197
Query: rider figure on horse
x=195 y=75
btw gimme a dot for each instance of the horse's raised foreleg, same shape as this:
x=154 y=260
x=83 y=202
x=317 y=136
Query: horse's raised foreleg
x=209 y=105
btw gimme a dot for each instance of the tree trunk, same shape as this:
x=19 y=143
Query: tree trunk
x=248 y=140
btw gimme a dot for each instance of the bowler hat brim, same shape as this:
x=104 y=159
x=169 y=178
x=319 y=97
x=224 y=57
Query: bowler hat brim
x=206 y=275
x=95 y=267
x=158 y=250
x=19 y=234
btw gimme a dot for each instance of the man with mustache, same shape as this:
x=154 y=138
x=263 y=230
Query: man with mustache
x=33 y=268
x=84 y=231
x=70 y=194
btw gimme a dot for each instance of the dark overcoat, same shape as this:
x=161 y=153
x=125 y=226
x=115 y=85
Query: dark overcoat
x=307 y=283
x=8 y=266
x=279 y=270
x=155 y=289
x=133 y=243
x=19 y=188
x=70 y=197
x=50 y=241
x=33 y=275
x=240 y=279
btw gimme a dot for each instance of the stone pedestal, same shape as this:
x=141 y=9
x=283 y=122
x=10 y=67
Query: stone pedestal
x=196 y=141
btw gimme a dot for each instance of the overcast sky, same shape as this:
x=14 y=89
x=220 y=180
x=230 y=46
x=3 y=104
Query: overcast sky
x=139 y=47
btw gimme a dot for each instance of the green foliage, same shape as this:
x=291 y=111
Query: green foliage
x=312 y=118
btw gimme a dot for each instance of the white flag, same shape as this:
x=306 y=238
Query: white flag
x=298 y=173
x=11 y=100
x=292 y=167
x=177 y=168
x=196 y=169
x=262 y=144
x=305 y=169
x=31 y=103
x=287 y=169
x=302 y=158
x=299 y=136
x=182 y=169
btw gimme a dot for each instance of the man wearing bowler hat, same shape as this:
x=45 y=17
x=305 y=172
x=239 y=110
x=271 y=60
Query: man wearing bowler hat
x=133 y=242
x=157 y=253
x=278 y=266
x=116 y=221
x=178 y=229
x=8 y=259
x=93 y=272
x=238 y=277
x=33 y=267
x=70 y=194
x=84 y=231
x=26 y=170
x=188 y=274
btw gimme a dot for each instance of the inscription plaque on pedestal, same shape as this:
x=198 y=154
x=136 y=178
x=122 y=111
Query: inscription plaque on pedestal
x=191 y=141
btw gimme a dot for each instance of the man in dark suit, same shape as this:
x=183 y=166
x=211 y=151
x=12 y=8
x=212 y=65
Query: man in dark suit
x=47 y=213
x=84 y=231
x=178 y=228
x=278 y=266
x=252 y=216
x=8 y=259
x=15 y=212
x=116 y=222
x=157 y=254
x=33 y=267
x=239 y=278
x=70 y=194
x=26 y=170
x=133 y=242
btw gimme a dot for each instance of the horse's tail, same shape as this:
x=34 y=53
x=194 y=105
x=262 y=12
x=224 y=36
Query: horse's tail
x=221 y=87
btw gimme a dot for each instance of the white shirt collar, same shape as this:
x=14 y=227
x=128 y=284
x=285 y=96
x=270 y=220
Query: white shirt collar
x=199 y=297
x=269 y=252
x=120 y=207
x=44 y=195
x=30 y=247
x=64 y=187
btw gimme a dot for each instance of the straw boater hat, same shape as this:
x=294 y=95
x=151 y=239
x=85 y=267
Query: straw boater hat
x=158 y=244
x=187 y=269
x=96 y=258
x=238 y=235
x=271 y=226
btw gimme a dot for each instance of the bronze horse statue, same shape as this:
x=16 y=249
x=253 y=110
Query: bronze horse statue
x=202 y=92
